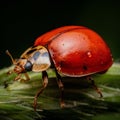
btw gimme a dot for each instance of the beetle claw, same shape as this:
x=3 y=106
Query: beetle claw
x=62 y=105
x=100 y=93
x=94 y=86
x=10 y=72
x=35 y=103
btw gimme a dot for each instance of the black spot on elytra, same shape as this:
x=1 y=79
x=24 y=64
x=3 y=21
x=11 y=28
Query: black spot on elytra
x=85 y=67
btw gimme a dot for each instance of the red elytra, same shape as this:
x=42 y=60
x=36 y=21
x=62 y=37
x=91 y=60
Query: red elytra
x=76 y=50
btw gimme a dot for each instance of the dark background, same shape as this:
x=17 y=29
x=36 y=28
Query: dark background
x=21 y=22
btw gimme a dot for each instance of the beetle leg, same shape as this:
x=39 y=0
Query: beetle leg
x=45 y=82
x=17 y=77
x=10 y=72
x=61 y=86
x=27 y=77
x=94 y=86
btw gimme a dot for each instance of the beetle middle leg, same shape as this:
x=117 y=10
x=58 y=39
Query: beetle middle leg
x=61 y=86
x=94 y=86
x=45 y=82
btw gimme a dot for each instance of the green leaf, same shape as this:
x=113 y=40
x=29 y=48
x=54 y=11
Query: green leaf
x=82 y=101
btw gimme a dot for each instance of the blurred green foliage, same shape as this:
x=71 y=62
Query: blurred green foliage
x=83 y=103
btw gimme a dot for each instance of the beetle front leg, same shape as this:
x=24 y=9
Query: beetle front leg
x=45 y=82
x=61 y=86
x=94 y=86
x=27 y=77
x=18 y=77
x=10 y=72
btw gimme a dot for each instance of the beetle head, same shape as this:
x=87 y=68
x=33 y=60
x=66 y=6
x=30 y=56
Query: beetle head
x=33 y=59
x=20 y=64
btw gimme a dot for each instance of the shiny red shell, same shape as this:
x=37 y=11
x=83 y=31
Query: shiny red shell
x=76 y=50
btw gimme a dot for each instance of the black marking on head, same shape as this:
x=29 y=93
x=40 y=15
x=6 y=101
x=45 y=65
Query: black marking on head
x=28 y=66
x=36 y=55
x=31 y=51
x=34 y=48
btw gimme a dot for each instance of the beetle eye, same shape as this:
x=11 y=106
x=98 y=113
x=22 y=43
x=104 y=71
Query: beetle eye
x=28 y=66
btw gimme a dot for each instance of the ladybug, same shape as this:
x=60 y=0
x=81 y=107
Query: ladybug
x=74 y=51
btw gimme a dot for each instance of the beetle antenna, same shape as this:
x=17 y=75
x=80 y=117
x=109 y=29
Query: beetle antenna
x=9 y=54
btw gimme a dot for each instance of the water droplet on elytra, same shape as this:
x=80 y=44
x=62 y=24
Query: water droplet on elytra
x=89 y=54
